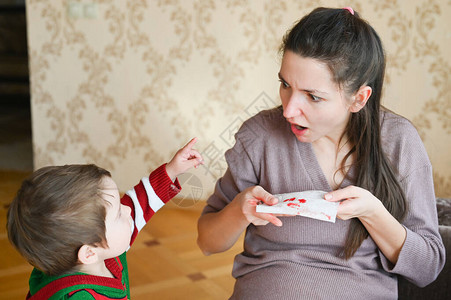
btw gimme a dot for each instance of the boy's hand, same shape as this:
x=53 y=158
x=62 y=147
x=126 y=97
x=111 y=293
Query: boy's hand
x=183 y=160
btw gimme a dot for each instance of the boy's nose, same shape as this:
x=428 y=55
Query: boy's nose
x=128 y=210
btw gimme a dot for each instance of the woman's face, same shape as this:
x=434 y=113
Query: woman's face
x=313 y=103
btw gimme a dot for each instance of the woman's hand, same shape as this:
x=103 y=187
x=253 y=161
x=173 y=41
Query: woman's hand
x=219 y=231
x=248 y=201
x=388 y=234
x=355 y=202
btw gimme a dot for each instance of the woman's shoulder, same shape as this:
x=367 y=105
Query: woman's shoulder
x=401 y=142
x=264 y=121
x=397 y=128
x=264 y=129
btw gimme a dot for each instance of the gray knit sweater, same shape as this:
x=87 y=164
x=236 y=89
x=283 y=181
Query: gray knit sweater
x=300 y=259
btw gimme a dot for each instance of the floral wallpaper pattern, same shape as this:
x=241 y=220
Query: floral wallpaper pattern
x=125 y=83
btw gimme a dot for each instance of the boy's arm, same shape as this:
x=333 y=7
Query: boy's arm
x=147 y=197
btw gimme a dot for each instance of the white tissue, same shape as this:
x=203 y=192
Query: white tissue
x=308 y=204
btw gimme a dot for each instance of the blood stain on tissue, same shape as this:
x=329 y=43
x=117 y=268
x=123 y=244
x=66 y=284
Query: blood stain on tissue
x=294 y=204
x=291 y=199
x=327 y=216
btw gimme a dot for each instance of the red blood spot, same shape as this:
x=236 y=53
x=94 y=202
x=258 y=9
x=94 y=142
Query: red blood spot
x=293 y=205
x=327 y=216
x=291 y=199
x=302 y=200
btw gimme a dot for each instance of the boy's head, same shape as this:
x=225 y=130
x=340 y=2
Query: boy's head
x=56 y=211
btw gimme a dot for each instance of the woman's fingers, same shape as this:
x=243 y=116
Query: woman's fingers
x=253 y=196
x=343 y=194
x=259 y=193
x=266 y=218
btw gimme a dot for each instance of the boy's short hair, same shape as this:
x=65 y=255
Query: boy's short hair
x=57 y=210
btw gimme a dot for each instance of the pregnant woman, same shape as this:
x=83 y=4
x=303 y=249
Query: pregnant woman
x=331 y=134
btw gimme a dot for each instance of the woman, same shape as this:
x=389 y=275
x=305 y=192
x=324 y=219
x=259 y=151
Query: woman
x=330 y=134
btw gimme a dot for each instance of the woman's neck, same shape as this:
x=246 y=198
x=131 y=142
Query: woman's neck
x=330 y=155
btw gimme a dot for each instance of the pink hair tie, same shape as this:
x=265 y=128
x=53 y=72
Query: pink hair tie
x=349 y=9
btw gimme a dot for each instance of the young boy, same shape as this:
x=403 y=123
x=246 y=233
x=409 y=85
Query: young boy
x=70 y=223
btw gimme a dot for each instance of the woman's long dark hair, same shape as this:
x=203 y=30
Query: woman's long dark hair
x=353 y=51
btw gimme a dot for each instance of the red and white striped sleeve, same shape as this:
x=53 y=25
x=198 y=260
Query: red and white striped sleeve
x=148 y=196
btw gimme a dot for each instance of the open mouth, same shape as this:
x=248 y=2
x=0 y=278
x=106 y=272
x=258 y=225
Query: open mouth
x=298 y=130
x=298 y=127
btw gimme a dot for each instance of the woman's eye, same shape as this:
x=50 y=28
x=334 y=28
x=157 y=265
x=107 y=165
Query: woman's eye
x=314 y=98
x=284 y=84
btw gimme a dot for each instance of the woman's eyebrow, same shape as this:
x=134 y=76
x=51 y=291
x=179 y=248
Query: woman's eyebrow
x=310 y=91
x=315 y=92
x=280 y=77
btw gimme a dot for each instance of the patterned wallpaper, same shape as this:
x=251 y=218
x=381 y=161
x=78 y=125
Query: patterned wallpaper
x=124 y=84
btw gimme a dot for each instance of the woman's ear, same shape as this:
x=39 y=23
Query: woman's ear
x=360 y=98
x=88 y=255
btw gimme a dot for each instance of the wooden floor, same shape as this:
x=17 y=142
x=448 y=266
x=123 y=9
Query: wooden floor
x=164 y=262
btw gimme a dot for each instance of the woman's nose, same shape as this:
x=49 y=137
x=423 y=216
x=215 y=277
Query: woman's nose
x=293 y=107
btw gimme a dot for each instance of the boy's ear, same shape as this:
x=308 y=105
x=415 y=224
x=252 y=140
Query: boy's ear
x=360 y=98
x=88 y=255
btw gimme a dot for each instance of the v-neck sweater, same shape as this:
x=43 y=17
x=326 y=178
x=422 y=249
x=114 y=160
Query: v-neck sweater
x=301 y=260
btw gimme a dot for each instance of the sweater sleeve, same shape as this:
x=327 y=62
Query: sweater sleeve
x=240 y=174
x=422 y=256
x=148 y=196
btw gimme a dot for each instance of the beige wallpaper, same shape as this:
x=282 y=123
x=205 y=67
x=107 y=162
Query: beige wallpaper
x=123 y=84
